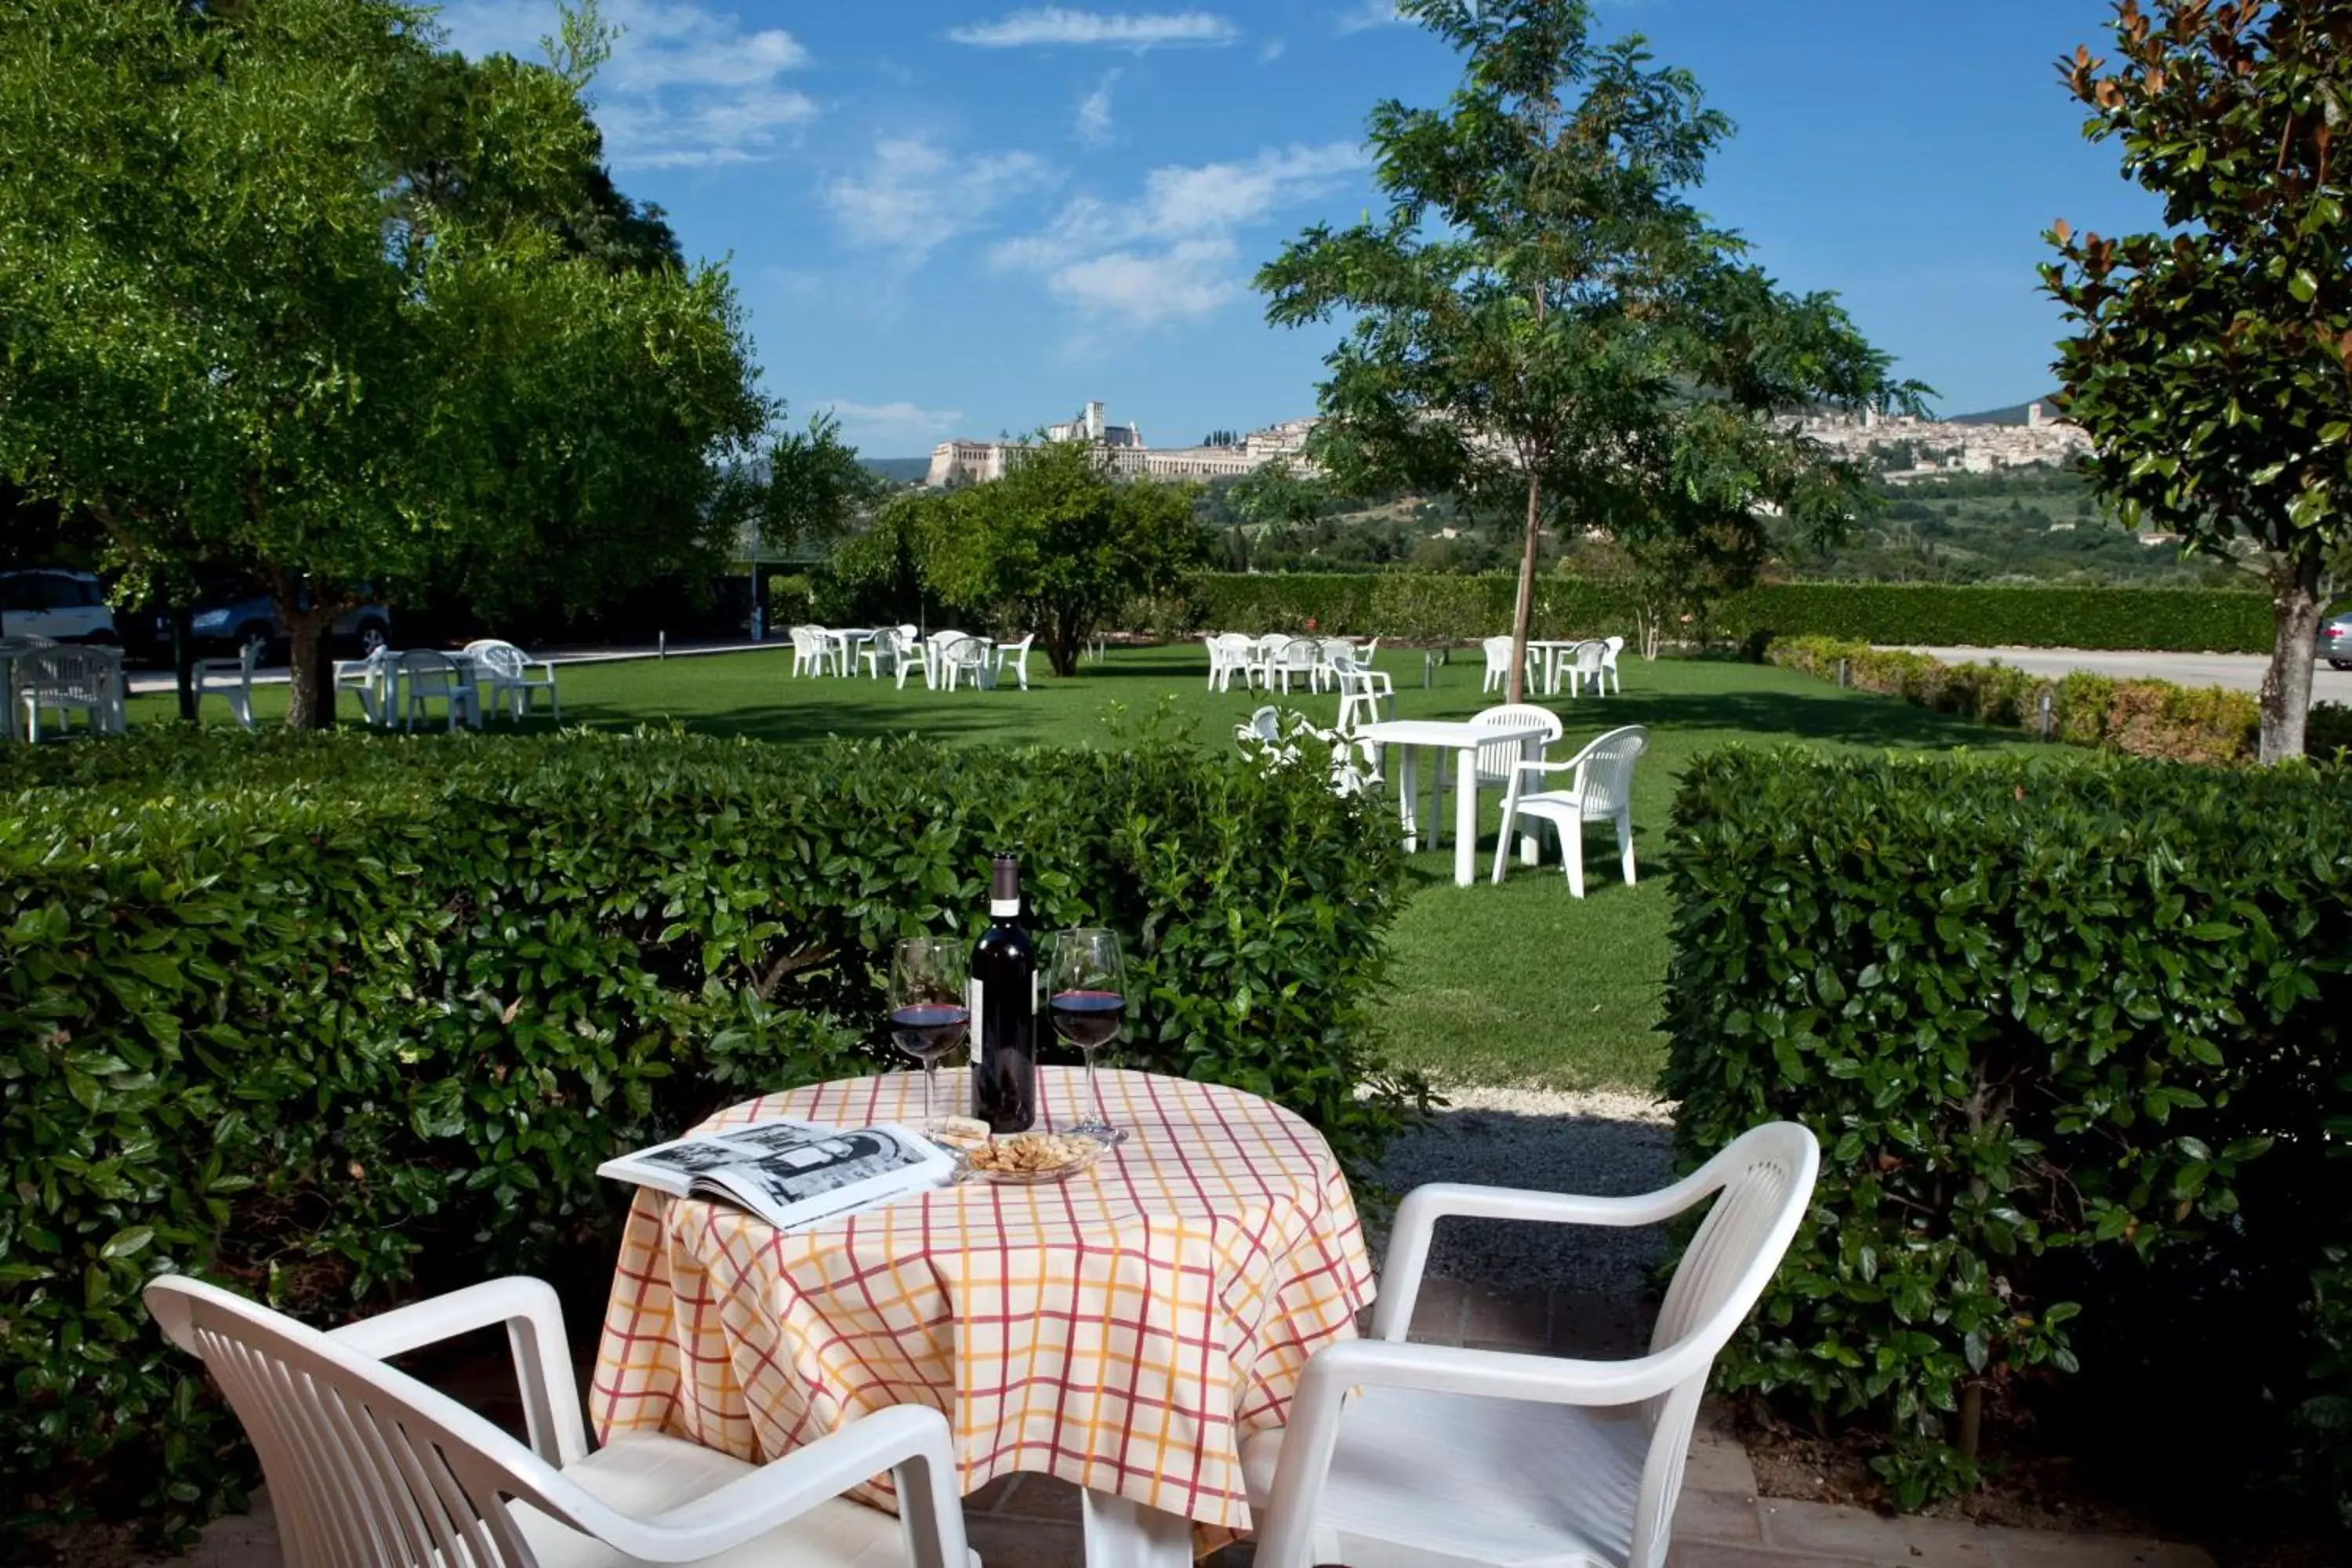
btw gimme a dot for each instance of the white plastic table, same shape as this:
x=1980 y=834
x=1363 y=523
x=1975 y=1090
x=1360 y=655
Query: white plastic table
x=843 y=642
x=1461 y=737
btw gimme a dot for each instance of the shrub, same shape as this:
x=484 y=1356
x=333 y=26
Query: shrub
x=2145 y=717
x=2069 y=1031
x=1425 y=606
x=339 y=1017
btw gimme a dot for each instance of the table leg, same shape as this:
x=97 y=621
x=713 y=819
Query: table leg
x=1465 y=816
x=1125 y=1534
x=1530 y=751
x=1408 y=787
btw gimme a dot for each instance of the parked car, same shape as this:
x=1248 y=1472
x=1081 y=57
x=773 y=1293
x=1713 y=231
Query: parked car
x=64 y=607
x=230 y=613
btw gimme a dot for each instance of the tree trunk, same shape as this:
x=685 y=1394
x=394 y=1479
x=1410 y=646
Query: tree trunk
x=2287 y=689
x=184 y=660
x=310 y=699
x=1525 y=610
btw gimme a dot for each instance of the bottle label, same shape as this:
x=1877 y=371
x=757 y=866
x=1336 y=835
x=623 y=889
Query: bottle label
x=1003 y=909
x=975 y=1031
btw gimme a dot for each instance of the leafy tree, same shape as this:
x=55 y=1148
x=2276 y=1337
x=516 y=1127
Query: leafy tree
x=1057 y=547
x=1542 y=316
x=2212 y=363
x=814 y=485
x=368 y=320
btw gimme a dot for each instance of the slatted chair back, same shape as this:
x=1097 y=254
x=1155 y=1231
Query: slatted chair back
x=1608 y=778
x=1499 y=760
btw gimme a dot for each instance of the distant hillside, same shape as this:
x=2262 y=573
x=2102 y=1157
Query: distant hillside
x=900 y=471
x=2004 y=415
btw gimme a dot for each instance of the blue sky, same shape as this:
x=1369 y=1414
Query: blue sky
x=968 y=219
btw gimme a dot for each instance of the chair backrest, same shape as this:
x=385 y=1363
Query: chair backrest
x=1498 y=760
x=1611 y=647
x=1763 y=1183
x=68 y=677
x=1590 y=656
x=1269 y=645
x=497 y=658
x=1018 y=652
x=1499 y=653
x=428 y=673
x=1337 y=649
x=366 y=1465
x=965 y=652
x=908 y=632
x=24 y=642
x=1364 y=654
x=1608 y=764
x=1298 y=653
x=1265 y=726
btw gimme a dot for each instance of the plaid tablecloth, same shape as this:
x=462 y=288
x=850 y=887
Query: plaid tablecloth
x=1123 y=1330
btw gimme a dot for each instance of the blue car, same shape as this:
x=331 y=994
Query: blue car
x=232 y=615
x=2335 y=643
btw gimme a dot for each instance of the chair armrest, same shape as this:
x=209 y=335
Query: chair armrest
x=912 y=1441
x=1285 y=1527
x=534 y=1323
x=1417 y=1218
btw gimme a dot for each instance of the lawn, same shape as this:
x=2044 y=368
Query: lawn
x=1517 y=984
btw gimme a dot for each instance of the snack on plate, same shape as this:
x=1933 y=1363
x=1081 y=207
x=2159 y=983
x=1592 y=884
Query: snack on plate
x=1028 y=1152
x=961 y=1133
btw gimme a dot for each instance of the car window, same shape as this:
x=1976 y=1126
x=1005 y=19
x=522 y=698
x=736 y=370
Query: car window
x=16 y=592
x=80 y=593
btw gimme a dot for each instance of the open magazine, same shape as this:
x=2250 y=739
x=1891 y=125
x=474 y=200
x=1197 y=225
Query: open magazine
x=790 y=1173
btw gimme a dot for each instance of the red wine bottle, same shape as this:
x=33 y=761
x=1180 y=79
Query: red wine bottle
x=1004 y=1011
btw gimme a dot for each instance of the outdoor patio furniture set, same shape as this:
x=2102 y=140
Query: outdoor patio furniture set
x=43 y=680
x=1551 y=660
x=943 y=659
x=765 y=1395
x=484 y=677
x=1502 y=747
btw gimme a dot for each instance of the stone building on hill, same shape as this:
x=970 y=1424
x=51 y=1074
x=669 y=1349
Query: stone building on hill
x=966 y=461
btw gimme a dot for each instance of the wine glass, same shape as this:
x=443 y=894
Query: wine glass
x=1087 y=998
x=928 y=1008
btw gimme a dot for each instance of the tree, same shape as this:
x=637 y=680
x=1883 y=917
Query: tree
x=1542 y=316
x=368 y=322
x=1057 y=547
x=2212 y=363
x=814 y=486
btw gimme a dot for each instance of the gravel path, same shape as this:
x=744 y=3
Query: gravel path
x=1607 y=1145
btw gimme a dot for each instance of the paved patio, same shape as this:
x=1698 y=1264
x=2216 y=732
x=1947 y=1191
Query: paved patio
x=1032 y=1522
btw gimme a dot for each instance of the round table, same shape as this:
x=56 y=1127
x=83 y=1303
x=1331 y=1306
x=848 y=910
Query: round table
x=1123 y=1330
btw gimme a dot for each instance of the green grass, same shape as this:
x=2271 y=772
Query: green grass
x=1517 y=984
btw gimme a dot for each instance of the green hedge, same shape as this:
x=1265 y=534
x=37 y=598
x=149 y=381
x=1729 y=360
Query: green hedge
x=1431 y=607
x=340 y=1019
x=2070 y=1031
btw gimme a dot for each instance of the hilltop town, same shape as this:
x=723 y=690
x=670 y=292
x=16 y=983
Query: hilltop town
x=1912 y=449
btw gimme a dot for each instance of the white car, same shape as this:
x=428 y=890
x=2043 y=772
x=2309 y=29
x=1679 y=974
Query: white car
x=64 y=607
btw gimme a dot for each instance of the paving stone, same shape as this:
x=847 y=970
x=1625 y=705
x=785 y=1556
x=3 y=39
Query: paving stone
x=1025 y=1542
x=1599 y=1325
x=1041 y=1497
x=1437 y=1312
x=1834 y=1530
x=2059 y=1549
x=1722 y=1518
x=1507 y=1320
x=1706 y=1554
x=1718 y=1464
x=990 y=1498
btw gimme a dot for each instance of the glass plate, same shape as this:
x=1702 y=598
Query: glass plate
x=967 y=1172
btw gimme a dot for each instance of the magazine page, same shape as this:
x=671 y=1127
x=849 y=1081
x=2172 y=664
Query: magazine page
x=832 y=1172
x=672 y=1167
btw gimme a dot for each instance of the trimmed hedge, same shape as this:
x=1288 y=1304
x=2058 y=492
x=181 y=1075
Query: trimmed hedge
x=1431 y=607
x=2070 y=1032
x=340 y=1019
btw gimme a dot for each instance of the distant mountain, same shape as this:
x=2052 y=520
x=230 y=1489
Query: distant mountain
x=2004 y=415
x=900 y=471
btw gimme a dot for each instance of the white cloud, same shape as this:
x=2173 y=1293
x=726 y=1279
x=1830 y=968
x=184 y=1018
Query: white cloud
x=1173 y=252
x=1058 y=24
x=1093 y=111
x=889 y=421
x=1270 y=51
x=686 y=85
x=1366 y=14
x=914 y=197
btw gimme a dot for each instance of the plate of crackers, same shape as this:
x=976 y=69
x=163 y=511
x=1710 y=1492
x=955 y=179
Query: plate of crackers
x=1025 y=1159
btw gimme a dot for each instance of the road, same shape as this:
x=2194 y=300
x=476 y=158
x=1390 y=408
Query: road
x=2238 y=671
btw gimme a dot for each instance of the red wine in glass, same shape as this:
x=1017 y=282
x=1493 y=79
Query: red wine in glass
x=1088 y=1019
x=929 y=1010
x=929 y=1030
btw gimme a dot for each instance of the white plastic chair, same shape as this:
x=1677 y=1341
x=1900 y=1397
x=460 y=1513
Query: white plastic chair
x=366 y=1465
x=1300 y=657
x=1363 y=692
x=1586 y=661
x=811 y=653
x=887 y=654
x=376 y=679
x=1498 y=760
x=232 y=680
x=1263 y=652
x=1600 y=789
x=966 y=659
x=508 y=669
x=427 y=676
x=1498 y=663
x=1451 y=1457
x=1611 y=647
x=934 y=650
x=1015 y=654
x=66 y=681
x=1229 y=652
